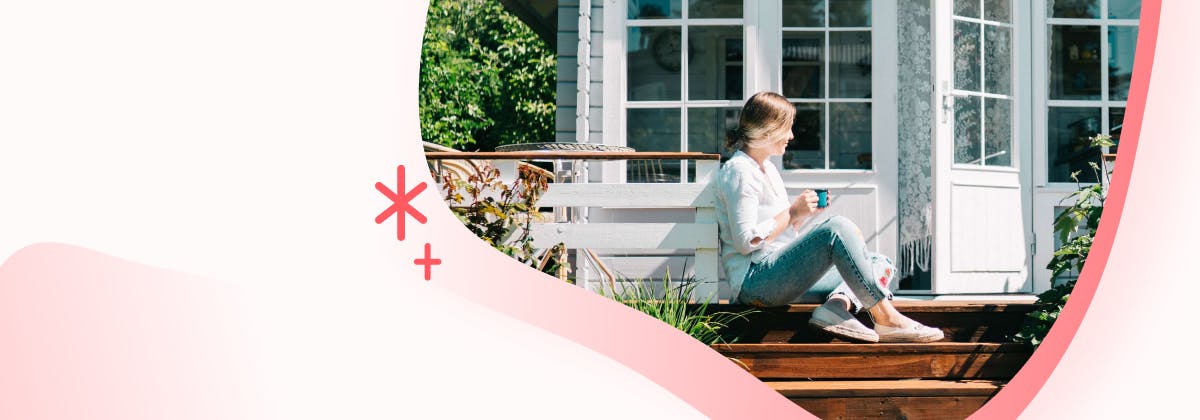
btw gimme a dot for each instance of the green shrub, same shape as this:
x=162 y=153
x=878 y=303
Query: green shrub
x=501 y=214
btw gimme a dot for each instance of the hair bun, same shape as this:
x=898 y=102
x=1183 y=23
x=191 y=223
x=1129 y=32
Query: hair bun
x=735 y=138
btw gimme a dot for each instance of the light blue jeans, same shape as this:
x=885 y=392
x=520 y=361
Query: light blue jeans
x=798 y=270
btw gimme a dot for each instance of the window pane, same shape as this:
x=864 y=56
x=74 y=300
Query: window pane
x=706 y=132
x=653 y=130
x=808 y=13
x=1124 y=9
x=998 y=59
x=707 y=128
x=1067 y=139
x=850 y=136
x=654 y=63
x=998 y=132
x=1074 y=62
x=997 y=10
x=1116 y=121
x=1121 y=42
x=708 y=62
x=850 y=64
x=966 y=56
x=803 y=64
x=856 y=13
x=966 y=130
x=704 y=9
x=807 y=148
x=1078 y=9
x=655 y=9
x=966 y=8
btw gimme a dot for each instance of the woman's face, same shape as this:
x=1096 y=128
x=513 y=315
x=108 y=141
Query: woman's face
x=778 y=142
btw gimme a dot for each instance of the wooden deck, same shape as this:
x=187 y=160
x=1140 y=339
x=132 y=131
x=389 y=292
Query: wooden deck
x=965 y=322
x=835 y=379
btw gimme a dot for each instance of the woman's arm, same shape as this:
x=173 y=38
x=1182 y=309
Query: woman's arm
x=741 y=194
x=804 y=206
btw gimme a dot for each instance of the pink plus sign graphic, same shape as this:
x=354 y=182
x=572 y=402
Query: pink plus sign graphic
x=400 y=203
x=427 y=262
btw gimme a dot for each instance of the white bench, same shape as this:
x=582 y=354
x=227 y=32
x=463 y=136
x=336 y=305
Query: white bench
x=699 y=234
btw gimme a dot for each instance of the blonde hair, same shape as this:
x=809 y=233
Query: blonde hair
x=764 y=114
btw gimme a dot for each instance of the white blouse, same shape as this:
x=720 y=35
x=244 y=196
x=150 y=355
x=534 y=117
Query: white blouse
x=747 y=201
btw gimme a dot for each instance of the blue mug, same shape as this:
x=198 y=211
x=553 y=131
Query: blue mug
x=822 y=198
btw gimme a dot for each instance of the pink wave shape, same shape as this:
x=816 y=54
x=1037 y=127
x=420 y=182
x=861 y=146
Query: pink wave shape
x=87 y=335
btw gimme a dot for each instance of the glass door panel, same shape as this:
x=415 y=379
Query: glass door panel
x=983 y=78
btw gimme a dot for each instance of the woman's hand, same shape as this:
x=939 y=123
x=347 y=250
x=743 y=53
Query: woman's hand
x=804 y=206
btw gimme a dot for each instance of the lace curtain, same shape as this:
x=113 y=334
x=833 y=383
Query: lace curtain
x=916 y=136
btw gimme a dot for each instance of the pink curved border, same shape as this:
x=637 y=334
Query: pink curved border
x=1015 y=397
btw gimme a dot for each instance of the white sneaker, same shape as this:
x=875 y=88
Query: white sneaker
x=915 y=333
x=841 y=325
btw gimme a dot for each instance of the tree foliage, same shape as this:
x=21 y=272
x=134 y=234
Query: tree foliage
x=486 y=78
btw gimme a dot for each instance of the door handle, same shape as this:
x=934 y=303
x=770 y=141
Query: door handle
x=948 y=96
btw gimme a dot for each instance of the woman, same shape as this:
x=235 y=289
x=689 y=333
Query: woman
x=769 y=264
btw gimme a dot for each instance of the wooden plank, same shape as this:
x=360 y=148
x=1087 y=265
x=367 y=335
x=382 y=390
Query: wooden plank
x=625 y=235
x=568 y=155
x=628 y=195
x=784 y=327
x=874 y=348
x=879 y=361
x=914 y=388
x=707 y=259
x=960 y=321
x=706 y=171
x=707 y=270
x=908 y=306
x=891 y=408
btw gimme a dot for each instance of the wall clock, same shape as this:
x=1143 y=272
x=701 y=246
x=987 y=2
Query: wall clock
x=667 y=49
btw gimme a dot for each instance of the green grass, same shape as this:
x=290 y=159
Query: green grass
x=672 y=305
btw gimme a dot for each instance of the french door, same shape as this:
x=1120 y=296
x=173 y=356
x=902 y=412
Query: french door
x=677 y=72
x=982 y=220
x=1085 y=53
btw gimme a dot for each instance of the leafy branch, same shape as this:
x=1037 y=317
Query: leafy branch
x=1075 y=229
x=501 y=214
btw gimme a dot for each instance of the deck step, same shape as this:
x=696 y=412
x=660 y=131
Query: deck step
x=913 y=399
x=879 y=361
x=964 y=322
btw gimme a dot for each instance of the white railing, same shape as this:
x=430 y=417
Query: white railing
x=699 y=234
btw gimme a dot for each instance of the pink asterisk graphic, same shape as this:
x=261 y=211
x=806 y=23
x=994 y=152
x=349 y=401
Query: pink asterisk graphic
x=400 y=203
